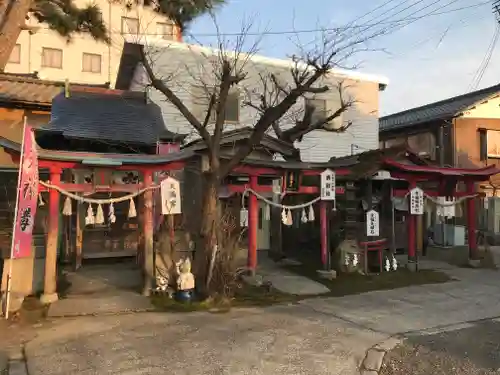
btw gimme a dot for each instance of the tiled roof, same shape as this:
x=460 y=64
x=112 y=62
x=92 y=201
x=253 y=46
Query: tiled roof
x=436 y=111
x=107 y=115
x=27 y=89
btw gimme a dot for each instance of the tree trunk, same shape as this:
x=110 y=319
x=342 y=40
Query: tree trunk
x=13 y=18
x=208 y=233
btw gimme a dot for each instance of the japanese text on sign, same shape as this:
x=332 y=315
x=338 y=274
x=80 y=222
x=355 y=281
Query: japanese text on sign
x=372 y=223
x=416 y=201
x=328 y=185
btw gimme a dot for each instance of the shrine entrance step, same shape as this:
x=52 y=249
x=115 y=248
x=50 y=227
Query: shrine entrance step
x=102 y=288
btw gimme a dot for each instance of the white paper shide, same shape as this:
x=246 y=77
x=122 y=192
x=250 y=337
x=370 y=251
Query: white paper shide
x=416 y=201
x=372 y=223
x=170 y=196
x=328 y=185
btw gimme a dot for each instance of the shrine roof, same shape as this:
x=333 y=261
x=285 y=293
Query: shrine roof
x=484 y=172
x=110 y=159
x=28 y=89
x=243 y=133
x=107 y=115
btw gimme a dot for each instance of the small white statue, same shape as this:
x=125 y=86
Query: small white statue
x=161 y=283
x=185 y=280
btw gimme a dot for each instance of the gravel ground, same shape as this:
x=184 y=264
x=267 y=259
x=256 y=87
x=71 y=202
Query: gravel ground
x=474 y=350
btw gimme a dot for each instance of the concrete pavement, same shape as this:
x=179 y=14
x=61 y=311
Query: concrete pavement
x=317 y=336
x=277 y=340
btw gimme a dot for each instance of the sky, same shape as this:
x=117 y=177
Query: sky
x=432 y=58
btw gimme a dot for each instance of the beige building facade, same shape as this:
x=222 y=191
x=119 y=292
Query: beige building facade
x=82 y=59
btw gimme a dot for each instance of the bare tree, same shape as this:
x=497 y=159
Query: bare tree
x=273 y=100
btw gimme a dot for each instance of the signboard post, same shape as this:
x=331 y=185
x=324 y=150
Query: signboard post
x=416 y=201
x=372 y=224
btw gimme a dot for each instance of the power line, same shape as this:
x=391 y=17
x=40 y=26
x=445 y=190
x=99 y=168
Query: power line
x=333 y=29
x=478 y=76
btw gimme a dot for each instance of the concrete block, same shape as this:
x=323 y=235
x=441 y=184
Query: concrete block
x=330 y=275
x=4 y=364
x=369 y=372
x=373 y=360
x=17 y=368
x=47 y=299
x=474 y=263
x=388 y=344
x=411 y=266
x=254 y=280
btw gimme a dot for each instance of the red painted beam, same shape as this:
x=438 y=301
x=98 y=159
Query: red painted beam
x=432 y=193
x=268 y=189
x=90 y=188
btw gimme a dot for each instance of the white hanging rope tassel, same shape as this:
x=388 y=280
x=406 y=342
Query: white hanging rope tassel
x=355 y=260
x=311 y=213
x=89 y=219
x=41 y=203
x=67 y=207
x=131 y=209
x=303 y=216
x=99 y=216
x=387 y=264
x=283 y=216
x=243 y=217
x=267 y=212
x=289 y=218
x=394 y=263
x=111 y=214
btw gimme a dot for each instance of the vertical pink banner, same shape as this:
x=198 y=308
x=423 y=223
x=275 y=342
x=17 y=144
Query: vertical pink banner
x=27 y=197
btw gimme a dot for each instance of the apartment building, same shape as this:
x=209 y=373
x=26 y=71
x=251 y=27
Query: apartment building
x=82 y=59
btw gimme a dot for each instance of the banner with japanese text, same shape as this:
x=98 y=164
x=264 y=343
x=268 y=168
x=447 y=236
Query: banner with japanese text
x=27 y=197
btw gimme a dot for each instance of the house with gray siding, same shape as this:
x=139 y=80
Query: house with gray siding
x=189 y=70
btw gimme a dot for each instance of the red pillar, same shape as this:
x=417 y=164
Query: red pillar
x=148 y=235
x=50 y=279
x=411 y=233
x=253 y=222
x=471 y=221
x=324 y=232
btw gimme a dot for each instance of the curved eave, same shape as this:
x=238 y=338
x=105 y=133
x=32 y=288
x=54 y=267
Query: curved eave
x=90 y=158
x=478 y=173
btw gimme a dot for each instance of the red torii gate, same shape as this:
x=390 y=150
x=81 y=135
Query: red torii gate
x=448 y=180
x=56 y=161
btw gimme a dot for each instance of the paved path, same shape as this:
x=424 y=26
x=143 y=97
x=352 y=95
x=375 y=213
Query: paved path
x=465 y=349
x=277 y=340
x=318 y=336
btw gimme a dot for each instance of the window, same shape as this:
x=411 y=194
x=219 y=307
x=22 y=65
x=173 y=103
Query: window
x=201 y=100
x=165 y=30
x=323 y=108
x=483 y=145
x=319 y=106
x=91 y=63
x=15 y=55
x=130 y=25
x=52 y=58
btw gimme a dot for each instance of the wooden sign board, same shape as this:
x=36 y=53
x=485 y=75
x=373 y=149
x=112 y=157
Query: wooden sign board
x=372 y=224
x=328 y=185
x=416 y=201
x=170 y=192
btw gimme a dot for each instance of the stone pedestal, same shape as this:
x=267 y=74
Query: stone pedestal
x=49 y=298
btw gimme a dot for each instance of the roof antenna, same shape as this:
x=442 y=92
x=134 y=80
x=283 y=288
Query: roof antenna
x=66 y=88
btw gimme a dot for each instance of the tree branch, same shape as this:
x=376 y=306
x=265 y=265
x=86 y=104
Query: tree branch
x=176 y=102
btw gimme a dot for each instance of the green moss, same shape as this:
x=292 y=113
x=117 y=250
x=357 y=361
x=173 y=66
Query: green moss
x=355 y=283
